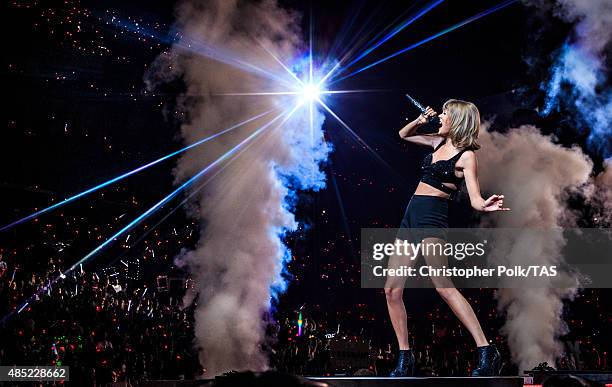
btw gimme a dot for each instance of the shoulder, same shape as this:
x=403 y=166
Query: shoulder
x=468 y=158
x=468 y=155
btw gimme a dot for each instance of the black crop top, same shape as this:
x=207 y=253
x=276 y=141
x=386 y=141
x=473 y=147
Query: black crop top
x=442 y=171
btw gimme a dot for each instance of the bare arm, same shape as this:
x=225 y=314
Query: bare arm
x=408 y=132
x=470 y=172
x=411 y=128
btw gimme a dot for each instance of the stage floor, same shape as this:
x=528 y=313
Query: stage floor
x=256 y=379
x=367 y=381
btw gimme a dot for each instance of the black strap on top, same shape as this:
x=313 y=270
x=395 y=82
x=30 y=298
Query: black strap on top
x=452 y=158
x=439 y=145
x=439 y=185
x=452 y=193
x=458 y=155
x=436 y=183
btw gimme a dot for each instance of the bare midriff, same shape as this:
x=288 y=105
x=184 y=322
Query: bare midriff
x=427 y=190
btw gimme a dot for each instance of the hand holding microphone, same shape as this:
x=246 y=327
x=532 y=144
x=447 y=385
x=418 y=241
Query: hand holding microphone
x=427 y=115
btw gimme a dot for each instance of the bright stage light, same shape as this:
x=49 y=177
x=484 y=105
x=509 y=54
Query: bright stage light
x=311 y=92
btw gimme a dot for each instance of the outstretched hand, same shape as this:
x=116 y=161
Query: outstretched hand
x=494 y=203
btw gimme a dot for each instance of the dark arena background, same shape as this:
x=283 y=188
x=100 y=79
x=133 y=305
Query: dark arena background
x=184 y=186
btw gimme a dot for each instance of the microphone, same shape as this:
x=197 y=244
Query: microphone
x=422 y=108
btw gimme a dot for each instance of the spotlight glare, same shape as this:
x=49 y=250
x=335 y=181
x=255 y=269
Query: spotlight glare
x=311 y=92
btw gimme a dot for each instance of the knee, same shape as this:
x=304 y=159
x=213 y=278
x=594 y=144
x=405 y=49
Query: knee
x=446 y=293
x=394 y=294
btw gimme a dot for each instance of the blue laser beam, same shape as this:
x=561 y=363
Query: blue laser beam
x=260 y=93
x=347 y=28
x=204 y=49
x=299 y=81
x=126 y=174
x=360 y=35
x=437 y=35
x=185 y=200
x=392 y=33
x=359 y=139
x=209 y=51
x=175 y=192
x=400 y=17
x=158 y=205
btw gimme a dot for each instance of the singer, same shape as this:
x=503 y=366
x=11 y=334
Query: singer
x=452 y=161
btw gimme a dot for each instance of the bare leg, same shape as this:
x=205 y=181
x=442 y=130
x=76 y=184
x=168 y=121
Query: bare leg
x=463 y=310
x=394 y=290
x=397 y=313
x=455 y=300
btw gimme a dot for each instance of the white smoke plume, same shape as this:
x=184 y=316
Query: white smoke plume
x=238 y=264
x=600 y=197
x=593 y=18
x=581 y=65
x=535 y=175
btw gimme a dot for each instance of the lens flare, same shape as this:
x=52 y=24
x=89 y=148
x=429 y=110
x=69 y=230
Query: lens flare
x=311 y=92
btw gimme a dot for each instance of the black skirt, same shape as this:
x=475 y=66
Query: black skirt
x=424 y=212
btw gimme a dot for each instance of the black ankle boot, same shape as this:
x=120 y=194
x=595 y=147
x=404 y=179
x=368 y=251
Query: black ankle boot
x=489 y=361
x=405 y=364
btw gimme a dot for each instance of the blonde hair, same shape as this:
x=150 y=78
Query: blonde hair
x=464 y=123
